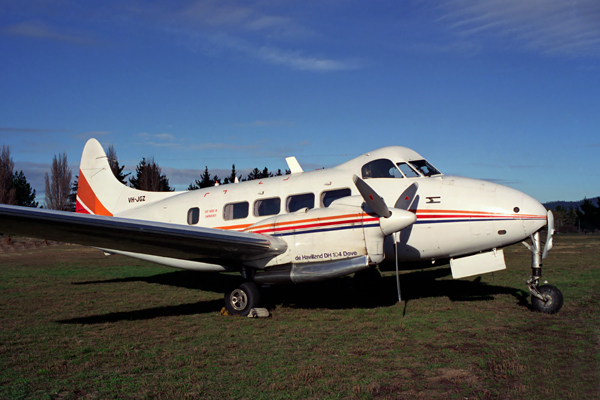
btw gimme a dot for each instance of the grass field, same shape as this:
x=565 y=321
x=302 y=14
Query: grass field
x=75 y=324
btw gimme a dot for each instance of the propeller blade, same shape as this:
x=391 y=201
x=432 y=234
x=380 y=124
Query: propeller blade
x=407 y=197
x=372 y=198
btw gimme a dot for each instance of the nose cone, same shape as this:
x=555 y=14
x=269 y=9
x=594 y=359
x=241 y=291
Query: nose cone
x=516 y=213
x=533 y=214
x=530 y=214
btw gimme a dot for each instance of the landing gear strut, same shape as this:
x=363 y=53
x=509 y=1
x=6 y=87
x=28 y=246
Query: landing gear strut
x=546 y=298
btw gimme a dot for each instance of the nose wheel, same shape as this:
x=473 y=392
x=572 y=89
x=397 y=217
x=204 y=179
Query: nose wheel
x=546 y=298
x=552 y=299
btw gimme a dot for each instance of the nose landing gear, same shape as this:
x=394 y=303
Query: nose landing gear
x=552 y=299
x=546 y=298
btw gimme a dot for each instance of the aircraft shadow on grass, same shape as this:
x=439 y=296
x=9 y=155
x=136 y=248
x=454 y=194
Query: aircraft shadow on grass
x=341 y=293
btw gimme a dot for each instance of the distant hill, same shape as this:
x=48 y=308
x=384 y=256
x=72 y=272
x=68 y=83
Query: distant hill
x=551 y=205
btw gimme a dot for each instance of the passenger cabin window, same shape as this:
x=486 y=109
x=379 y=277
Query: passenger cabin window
x=267 y=207
x=425 y=168
x=193 y=216
x=235 y=210
x=329 y=196
x=407 y=170
x=382 y=168
x=298 y=201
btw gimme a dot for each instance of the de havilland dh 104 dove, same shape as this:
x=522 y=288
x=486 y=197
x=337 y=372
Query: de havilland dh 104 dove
x=305 y=226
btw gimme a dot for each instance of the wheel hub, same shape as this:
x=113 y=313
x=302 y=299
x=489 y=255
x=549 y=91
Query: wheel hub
x=239 y=300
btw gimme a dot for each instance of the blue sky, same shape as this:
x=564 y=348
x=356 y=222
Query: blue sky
x=503 y=90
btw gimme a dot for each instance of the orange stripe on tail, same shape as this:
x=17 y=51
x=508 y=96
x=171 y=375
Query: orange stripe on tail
x=87 y=199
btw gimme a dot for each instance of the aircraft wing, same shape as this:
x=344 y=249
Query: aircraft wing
x=139 y=236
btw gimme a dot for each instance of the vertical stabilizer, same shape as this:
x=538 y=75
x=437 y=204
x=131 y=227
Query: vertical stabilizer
x=294 y=165
x=100 y=192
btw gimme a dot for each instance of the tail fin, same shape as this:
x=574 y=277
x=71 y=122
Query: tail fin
x=100 y=193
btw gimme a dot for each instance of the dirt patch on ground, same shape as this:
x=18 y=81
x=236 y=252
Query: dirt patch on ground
x=10 y=244
x=451 y=375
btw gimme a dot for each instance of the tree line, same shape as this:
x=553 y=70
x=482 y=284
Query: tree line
x=584 y=218
x=206 y=180
x=14 y=188
x=61 y=187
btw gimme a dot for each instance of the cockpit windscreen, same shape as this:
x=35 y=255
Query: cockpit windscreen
x=425 y=168
x=407 y=170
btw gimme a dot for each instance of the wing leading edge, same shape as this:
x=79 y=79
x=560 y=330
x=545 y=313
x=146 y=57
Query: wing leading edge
x=138 y=236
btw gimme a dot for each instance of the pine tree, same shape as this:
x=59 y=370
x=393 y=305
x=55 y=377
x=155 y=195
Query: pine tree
x=232 y=176
x=204 y=181
x=589 y=214
x=25 y=194
x=149 y=177
x=265 y=173
x=254 y=174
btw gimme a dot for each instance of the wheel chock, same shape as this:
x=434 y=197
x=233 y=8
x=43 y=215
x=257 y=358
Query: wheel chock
x=259 y=313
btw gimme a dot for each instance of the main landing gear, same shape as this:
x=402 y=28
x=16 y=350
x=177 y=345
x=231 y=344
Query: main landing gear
x=243 y=299
x=546 y=298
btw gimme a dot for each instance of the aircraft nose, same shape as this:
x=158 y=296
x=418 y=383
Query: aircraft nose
x=533 y=214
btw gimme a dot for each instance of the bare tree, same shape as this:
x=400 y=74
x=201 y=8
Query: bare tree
x=58 y=185
x=8 y=193
x=117 y=169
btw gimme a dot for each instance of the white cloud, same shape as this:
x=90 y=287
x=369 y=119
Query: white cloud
x=164 y=136
x=218 y=15
x=163 y=144
x=217 y=26
x=166 y=139
x=91 y=134
x=299 y=61
x=31 y=130
x=40 y=30
x=263 y=124
x=569 y=28
x=223 y=146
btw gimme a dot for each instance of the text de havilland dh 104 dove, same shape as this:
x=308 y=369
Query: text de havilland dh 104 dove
x=305 y=226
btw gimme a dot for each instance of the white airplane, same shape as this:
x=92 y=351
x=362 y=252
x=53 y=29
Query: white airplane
x=305 y=226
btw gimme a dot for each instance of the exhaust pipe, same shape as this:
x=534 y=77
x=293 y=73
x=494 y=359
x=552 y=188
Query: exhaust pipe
x=310 y=272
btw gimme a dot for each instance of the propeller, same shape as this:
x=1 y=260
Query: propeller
x=391 y=223
x=407 y=197
x=372 y=198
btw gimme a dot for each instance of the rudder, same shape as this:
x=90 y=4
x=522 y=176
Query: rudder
x=99 y=192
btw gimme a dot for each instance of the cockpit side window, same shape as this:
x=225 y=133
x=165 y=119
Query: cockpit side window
x=425 y=168
x=407 y=170
x=381 y=168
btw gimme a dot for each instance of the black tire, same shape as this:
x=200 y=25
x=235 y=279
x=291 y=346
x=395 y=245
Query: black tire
x=243 y=299
x=554 y=300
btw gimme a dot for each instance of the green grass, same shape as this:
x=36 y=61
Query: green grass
x=75 y=324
